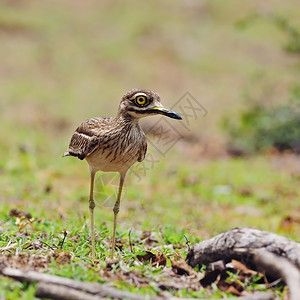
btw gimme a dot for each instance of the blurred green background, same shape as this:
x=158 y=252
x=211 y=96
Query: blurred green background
x=63 y=62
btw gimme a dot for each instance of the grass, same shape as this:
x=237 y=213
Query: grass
x=66 y=62
x=205 y=202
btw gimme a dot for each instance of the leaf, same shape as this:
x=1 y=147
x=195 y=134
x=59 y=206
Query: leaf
x=147 y=257
x=182 y=268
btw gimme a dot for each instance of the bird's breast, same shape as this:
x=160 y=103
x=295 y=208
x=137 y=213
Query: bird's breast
x=119 y=152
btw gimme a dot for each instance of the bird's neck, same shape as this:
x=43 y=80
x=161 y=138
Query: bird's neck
x=126 y=118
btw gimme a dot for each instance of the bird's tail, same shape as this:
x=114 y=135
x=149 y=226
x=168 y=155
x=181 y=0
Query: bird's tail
x=66 y=154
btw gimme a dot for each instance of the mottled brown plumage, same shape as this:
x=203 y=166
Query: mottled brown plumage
x=109 y=144
x=114 y=144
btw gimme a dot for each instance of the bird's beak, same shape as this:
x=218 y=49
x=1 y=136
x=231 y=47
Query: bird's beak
x=163 y=110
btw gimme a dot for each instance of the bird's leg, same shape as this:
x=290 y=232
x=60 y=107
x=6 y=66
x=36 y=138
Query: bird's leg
x=116 y=210
x=92 y=206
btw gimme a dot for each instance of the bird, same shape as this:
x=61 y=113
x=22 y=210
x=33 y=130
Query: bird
x=114 y=144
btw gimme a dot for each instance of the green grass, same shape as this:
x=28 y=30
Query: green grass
x=197 y=201
x=65 y=62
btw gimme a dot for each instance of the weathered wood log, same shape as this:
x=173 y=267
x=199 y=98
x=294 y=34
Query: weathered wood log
x=239 y=243
x=257 y=296
x=91 y=288
x=283 y=268
x=60 y=292
x=273 y=255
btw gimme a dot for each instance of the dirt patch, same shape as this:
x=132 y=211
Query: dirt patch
x=25 y=262
x=62 y=258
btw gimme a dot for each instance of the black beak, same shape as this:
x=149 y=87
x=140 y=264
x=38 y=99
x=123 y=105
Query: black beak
x=163 y=110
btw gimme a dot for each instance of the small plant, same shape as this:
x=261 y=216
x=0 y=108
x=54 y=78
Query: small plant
x=261 y=127
x=293 y=34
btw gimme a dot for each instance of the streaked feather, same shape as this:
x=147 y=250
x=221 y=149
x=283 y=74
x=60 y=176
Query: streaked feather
x=113 y=139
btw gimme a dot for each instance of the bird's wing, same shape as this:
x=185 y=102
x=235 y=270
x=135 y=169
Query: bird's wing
x=143 y=150
x=87 y=137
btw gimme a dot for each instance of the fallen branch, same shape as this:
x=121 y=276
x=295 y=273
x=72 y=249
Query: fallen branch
x=257 y=296
x=239 y=243
x=91 y=288
x=273 y=255
x=271 y=263
x=59 y=292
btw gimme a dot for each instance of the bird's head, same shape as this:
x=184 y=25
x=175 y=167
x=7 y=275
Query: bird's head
x=139 y=103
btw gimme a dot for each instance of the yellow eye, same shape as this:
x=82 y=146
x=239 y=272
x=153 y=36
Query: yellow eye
x=141 y=100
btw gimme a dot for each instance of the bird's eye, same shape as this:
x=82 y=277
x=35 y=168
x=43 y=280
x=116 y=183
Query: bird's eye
x=141 y=100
